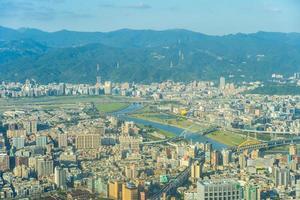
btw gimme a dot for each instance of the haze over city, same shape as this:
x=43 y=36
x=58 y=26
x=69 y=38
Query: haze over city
x=150 y=100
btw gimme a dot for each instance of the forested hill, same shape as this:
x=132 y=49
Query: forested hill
x=145 y=55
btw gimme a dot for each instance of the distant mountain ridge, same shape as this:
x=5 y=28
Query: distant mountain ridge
x=145 y=55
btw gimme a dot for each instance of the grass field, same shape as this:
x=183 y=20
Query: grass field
x=111 y=107
x=177 y=121
x=228 y=138
x=52 y=102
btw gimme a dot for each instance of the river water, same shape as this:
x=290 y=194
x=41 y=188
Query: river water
x=194 y=137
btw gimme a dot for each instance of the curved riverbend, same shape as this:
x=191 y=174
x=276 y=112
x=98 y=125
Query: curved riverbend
x=194 y=137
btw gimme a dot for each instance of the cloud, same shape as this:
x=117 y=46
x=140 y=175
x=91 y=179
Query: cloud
x=273 y=9
x=27 y=10
x=141 y=6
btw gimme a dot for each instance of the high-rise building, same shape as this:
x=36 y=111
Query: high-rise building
x=4 y=162
x=298 y=189
x=88 y=141
x=196 y=170
x=282 y=176
x=218 y=189
x=115 y=190
x=208 y=151
x=222 y=83
x=215 y=158
x=130 y=143
x=252 y=192
x=44 y=166
x=226 y=157
x=129 y=191
x=107 y=87
x=242 y=161
x=62 y=140
x=18 y=142
x=41 y=141
x=60 y=177
x=33 y=126
x=27 y=126
x=293 y=150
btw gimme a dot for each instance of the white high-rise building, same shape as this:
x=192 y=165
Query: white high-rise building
x=62 y=140
x=18 y=142
x=41 y=140
x=107 y=87
x=219 y=189
x=44 y=167
x=60 y=176
x=222 y=83
x=298 y=189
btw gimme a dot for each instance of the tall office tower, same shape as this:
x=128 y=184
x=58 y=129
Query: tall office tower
x=62 y=140
x=4 y=162
x=33 y=126
x=115 y=190
x=41 y=141
x=218 y=189
x=222 y=83
x=208 y=151
x=298 y=189
x=215 y=158
x=242 y=161
x=226 y=157
x=60 y=177
x=282 y=176
x=196 y=170
x=129 y=191
x=87 y=141
x=18 y=142
x=44 y=166
x=293 y=150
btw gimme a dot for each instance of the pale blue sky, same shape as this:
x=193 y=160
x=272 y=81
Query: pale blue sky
x=216 y=17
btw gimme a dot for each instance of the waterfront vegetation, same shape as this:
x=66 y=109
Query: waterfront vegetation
x=272 y=89
x=150 y=130
x=53 y=102
x=111 y=107
x=226 y=137
x=170 y=119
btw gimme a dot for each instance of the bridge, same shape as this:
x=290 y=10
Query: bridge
x=248 y=145
x=173 y=184
x=180 y=136
x=273 y=134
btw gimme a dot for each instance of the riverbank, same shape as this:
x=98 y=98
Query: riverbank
x=111 y=107
x=226 y=137
x=169 y=119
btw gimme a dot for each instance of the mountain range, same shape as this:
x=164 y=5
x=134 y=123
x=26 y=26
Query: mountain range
x=145 y=55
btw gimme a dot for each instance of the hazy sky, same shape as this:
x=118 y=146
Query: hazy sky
x=206 y=16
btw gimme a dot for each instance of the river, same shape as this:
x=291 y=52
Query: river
x=194 y=137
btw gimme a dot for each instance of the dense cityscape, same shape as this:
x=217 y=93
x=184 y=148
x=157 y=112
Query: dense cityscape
x=170 y=140
x=149 y=100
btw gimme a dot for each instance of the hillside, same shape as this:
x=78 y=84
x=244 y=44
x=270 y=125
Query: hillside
x=145 y=55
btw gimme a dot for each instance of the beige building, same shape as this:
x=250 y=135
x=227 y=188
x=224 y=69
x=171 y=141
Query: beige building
x=87 y=141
